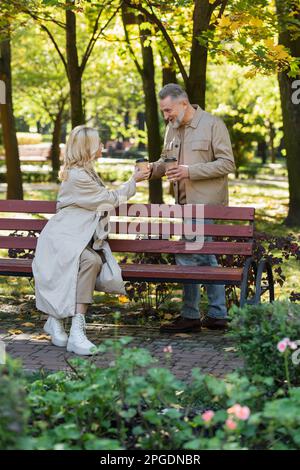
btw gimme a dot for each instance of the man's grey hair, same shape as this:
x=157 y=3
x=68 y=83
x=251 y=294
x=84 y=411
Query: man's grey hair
x=174 y=91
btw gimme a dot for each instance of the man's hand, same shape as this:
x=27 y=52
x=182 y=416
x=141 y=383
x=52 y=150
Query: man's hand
x=178 y=174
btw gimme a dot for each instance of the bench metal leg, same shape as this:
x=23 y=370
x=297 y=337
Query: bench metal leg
x=264 y=267
x=249 y=265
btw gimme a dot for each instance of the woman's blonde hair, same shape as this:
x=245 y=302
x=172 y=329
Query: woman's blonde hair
x=82 y=146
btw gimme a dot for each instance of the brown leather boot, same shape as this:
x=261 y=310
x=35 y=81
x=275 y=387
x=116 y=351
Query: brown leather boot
x=214 y=323
x=181 y=325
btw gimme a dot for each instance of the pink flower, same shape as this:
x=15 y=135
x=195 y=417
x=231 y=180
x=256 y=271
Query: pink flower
x=208 y=415
x=243 y=413
x=293 y=345
x=230 y=424
x=283 y=344
x=240 y=412
x=234 y=410
x=168 y=349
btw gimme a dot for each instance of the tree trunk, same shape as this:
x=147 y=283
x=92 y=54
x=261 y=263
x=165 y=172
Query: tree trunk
x=140 y=122
x=13 y=168
x=291 y=126
x=152 y=121
x=291 y=119
x=56 y=139
x=169 y=75
x=168 y=70
x=74 y=71
x=272 y=136
x=196 y=84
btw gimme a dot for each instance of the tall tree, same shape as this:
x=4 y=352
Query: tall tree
x=204 y=18
x=147 y=73
x=247 y=34
x=289 y=36
x=31 y=67
x=97 y=16
x=13 y=167
x=9 y=21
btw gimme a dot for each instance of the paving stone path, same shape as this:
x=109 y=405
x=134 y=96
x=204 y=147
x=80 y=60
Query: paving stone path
x=211 y=351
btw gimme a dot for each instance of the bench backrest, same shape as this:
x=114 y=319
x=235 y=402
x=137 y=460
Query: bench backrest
x=232 y=230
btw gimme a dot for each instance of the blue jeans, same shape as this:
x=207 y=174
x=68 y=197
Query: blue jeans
x=191 y=292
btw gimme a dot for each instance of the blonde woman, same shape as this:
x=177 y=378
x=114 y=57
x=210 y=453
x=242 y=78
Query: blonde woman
x=66 y=264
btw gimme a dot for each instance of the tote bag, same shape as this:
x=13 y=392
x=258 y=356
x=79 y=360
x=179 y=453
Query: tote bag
x=110 y=278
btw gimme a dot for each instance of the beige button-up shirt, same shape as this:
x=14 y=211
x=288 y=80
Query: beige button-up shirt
x=207 y=152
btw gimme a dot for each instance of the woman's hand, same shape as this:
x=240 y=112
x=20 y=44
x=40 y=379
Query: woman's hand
x=141 y=175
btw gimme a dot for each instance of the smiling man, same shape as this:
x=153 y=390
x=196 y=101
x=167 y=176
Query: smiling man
x=201 y=144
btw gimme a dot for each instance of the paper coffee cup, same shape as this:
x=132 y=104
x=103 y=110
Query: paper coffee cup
x=171 y=163
x=142 y=164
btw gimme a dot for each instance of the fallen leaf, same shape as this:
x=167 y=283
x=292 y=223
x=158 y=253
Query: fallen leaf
x=123 y=299
x=231 y=349
x=167 y=316
x=15 y=332
x=28 y=324
x=182 y=335
x=40 y=337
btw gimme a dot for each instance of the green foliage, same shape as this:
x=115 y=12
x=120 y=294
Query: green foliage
x=13 y=409
x=250 y=108
x=133 y=404
x=120 y=403
x=281 y=422
x=257 y=330
x=247 y=34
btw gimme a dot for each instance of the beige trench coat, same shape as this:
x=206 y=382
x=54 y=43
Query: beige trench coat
x=208 y=154
x=82 y=214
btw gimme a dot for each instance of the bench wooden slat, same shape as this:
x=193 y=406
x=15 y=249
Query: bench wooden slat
x=32 y=207
x=146 y=271
x=176 y=210
x=172 y=228
x=210 y=211
x=166 y=246
x=148 y=246
x=159 y=228
x=22 y=224
x=167 y=271
x=27 y=243
x=15 y=265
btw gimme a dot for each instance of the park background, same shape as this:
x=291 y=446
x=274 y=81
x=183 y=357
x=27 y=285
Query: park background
x=102 y=63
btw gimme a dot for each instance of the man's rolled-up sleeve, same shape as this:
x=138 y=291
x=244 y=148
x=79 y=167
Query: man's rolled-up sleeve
x=158 y=169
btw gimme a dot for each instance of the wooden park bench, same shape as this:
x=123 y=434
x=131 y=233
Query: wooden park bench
x=232 y=234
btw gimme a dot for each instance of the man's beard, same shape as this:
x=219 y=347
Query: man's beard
x=178 y=121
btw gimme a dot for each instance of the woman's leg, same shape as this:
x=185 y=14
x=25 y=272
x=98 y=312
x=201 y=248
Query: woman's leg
x=89 y=268
x=81 y=308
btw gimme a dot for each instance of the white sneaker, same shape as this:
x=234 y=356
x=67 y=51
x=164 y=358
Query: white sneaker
x=78 y=342
x=55 y=329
